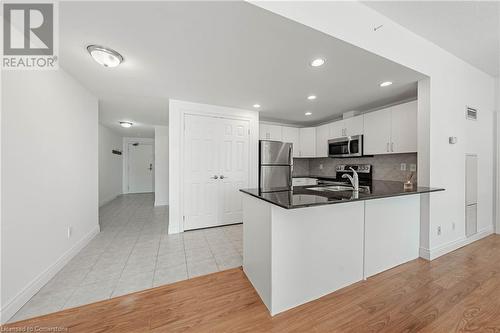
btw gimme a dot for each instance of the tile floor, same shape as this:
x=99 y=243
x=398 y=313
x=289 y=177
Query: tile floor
x=134 y=252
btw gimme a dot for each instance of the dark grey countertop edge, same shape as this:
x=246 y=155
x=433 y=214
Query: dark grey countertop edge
x=380 y=196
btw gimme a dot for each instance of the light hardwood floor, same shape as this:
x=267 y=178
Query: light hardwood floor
x=459 y=292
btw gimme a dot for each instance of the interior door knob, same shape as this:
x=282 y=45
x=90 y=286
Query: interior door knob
x=215 y=177
x=222 y=177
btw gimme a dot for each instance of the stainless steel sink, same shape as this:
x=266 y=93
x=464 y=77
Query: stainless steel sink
x=335 y=188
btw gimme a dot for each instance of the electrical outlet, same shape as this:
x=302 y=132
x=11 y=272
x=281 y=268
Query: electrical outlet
x=413 y=167
x=69 y=231
x=439 y=230
x=403 y=166
x=321 y=166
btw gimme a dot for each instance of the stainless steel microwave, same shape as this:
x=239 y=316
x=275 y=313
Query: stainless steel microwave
x=350 y=146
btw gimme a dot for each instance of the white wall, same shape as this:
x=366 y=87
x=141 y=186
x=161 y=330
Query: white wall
x=110 y=165
x=49 y=179
x=126 y=142
x=177 y=110
x=453 y=85
x=161 y=165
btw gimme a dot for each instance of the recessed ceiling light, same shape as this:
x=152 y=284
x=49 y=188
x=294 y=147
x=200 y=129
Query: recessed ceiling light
x=386 y=83
x=256 y=106
x=311 y=97
x=125 y=124
x=318 y=62
x=105 y=56
x=308 y=113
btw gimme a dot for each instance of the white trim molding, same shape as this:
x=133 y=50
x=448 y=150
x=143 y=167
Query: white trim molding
x=36 y=284
x=454 y=245
x=177 y=111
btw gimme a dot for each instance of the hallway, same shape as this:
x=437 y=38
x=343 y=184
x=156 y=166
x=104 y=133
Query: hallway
x=133 y=252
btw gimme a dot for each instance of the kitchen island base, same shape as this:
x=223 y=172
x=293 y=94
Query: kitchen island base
x=293 y=256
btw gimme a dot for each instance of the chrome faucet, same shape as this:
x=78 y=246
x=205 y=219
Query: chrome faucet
x=354 y=179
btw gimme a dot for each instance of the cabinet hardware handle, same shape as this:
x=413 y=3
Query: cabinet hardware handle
x=392 y=146
x=387 y=148
x=215 y=177
x=222 y=177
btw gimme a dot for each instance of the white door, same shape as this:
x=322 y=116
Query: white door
x=233 y=166
x=353 y=126
x=140 y=168
x=270 y=132
x=377 y=136
x=215 y=168
x=291 y=134
x=322 y=137
x=404 y=128
x=307 y=138
x=336 y=129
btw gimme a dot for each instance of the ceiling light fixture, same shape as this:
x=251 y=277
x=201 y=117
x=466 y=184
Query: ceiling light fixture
x=256 y=106
x=126 y=124
x=311 y=97
x=317 y=62
x=386 y=84
x=308 y=113
x=105 y=56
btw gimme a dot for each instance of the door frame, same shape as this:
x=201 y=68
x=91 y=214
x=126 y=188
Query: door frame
x=126 y=142
x=177 y=112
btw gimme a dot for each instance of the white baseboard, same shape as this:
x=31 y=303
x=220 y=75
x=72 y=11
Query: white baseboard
x=454 y=245
x=7 y=311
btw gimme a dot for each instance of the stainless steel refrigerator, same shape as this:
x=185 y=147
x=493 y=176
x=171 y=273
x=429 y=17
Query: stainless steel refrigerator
x=275 y=172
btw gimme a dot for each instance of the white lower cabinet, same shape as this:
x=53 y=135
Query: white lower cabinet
x=392 y=232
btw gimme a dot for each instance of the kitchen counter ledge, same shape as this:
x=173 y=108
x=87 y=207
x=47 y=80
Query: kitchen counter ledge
x=303 y=196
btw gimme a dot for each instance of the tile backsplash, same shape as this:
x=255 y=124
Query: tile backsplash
x=385 y=167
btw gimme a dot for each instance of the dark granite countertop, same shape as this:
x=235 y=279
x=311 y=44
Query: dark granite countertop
x=304 y=196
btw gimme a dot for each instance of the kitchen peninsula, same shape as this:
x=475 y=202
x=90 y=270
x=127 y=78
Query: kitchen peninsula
x=302 y=244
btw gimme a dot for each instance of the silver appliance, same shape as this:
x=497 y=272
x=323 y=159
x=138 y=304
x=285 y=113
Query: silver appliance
x=349 y=146
x=275 y=161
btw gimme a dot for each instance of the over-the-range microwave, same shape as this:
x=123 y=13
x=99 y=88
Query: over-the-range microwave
x=349 y=146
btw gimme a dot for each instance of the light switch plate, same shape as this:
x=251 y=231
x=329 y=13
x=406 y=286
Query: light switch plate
x=413 y=167
x=403 y=167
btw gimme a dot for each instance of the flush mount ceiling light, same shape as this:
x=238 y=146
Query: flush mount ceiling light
x=105 y=56
x=308 y=113
x=317 y=62
x=386 y=84
x=125 y=124
x=256 y=106
x=311 y=97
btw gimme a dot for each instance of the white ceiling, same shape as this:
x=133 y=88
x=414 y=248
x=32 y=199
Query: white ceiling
x=468 y=29
x=224 y=53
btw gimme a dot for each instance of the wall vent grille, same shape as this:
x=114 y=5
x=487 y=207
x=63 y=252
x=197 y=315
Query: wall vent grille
x=471 y=113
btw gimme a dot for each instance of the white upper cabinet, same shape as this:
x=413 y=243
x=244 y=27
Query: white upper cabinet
x=391 y=130
x=270 y=132
x=336 y=129
x=307 y=138
x=322 y=137
x=404 y=128
x=353 y=126
x=291 y=134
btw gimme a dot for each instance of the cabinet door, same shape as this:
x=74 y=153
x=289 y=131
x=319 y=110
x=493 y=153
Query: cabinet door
x=270 y=132
x=307 y=138
x=336 y=129
x=322 y=137
x=291 y=134
x=404 y=128
x=353 y=126
x=377 y=132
